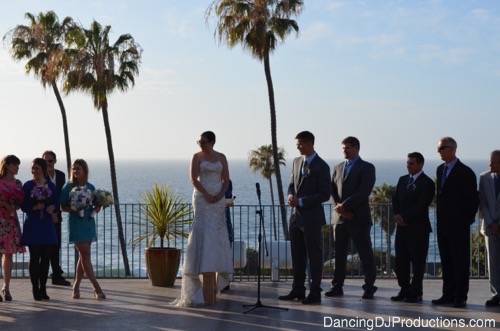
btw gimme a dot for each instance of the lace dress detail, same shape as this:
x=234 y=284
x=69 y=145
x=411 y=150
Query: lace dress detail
x=208 y=248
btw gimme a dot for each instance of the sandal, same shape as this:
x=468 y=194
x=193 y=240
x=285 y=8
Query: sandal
x=99 y=295
x=76 y=293
x=6 y=294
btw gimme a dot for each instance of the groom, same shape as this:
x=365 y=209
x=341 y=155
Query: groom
x=310 y=186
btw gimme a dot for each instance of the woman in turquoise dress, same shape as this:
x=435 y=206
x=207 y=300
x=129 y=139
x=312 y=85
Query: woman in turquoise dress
x=75 y=199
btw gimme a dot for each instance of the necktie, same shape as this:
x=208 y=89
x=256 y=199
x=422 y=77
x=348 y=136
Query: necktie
x=411 y=180
x=497 y=185
x=445 y=175
x=304 y=167
x=347 y=168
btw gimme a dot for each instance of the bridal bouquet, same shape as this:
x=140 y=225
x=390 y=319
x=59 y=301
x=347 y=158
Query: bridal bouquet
x=80 y=198
x=102 y=198
x=40 y=194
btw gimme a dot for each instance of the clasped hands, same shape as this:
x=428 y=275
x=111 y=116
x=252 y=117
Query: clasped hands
x=212 y=198
x=399 y=220
x=343 y=211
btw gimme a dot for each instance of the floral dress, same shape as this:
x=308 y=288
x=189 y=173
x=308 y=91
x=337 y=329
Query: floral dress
x=11 y=192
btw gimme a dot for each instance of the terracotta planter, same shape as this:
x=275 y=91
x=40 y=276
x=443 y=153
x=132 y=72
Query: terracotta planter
x=163 y=265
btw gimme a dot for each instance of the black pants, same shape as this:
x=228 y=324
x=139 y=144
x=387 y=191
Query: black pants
x=54 y=257
x=412 y=244
x=39 y=265
x=360 y=235
x=306 y=245
x=454 y=250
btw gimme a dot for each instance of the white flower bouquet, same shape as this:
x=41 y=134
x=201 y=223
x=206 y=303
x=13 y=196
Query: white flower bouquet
x=80 y=198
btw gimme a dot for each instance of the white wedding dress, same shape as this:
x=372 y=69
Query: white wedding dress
x=208 y=248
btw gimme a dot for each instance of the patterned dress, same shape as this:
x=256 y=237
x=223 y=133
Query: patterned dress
x=11 y=192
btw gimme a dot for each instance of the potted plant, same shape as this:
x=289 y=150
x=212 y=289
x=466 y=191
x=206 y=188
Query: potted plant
x=167 y=214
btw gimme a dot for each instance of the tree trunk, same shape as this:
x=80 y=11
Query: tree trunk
x=114 y=185
x=274 y=140
x=272 y=207
x=65 y=127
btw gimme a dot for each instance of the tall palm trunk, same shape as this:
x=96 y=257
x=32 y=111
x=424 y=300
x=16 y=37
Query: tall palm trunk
x=114 y=185
x=274 y=140
x=65 y=126
x=272 y=206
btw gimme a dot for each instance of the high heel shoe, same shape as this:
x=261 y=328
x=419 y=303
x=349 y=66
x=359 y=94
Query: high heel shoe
x=99 y=295
x=43 y=294
x=6 y=295
x=76 y=293
x=36 y=294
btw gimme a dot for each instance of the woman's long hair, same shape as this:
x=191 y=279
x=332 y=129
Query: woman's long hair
x=83 y=164
x=6 y=161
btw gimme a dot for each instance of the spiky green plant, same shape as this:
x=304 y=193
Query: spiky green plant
x=167 y=214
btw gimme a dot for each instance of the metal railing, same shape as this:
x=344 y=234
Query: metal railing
x=107 y=259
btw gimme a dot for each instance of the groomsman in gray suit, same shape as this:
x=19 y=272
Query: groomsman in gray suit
x=309 y=188
x=489 y=195
x=352 y=184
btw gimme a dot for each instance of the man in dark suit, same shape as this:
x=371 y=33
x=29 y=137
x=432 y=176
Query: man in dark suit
x=59 y=179
x=457 y=204
x=309 y=188
x=352 y=184
x=411 y=201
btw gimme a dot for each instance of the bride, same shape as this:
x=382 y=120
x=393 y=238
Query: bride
x=208 y=251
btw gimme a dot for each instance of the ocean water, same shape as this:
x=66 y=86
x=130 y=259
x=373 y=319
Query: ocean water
x=137 y=177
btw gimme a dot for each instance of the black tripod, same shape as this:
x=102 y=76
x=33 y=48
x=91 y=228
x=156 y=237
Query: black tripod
x=262 y=229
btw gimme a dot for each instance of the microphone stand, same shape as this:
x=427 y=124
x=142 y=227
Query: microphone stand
x=262 y=229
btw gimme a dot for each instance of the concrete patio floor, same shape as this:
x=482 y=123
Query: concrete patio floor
x=136 y=305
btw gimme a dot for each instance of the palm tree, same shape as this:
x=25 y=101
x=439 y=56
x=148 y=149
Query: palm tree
x=261 y=160
x=41 y=43
x=99 y=68
x=258 y=25
x=383 y=214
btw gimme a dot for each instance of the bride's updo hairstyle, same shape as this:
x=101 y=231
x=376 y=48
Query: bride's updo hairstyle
x=209 y=136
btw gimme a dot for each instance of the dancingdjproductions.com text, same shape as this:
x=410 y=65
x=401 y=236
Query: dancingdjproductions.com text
x=380 y=322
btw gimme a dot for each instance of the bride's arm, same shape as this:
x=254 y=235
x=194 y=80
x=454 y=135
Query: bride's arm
x=224 y=177
x=195 y=172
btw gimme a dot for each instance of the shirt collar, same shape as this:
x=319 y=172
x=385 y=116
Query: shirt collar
x=351 y=162
x=416 y=175
x=309 y=158
x=451 y=164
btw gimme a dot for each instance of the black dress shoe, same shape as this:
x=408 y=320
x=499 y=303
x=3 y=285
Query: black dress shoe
x=400 y=297
x=60 y=281
x=292 y=296
x=335 y=291
x=312 y=299
x=442 y=301
x=459 y=303
x=413 y=299
x=493 y=302
x=369 y=291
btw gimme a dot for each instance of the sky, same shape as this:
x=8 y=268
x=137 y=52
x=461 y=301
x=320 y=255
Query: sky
x=397 y=74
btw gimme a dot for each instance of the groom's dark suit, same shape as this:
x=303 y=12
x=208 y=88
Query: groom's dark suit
x=311 y=185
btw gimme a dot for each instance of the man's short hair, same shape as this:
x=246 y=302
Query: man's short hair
x=306 y=136
x=449 y=141
x=417 y=156
x=49 y=153
x=351 y=141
